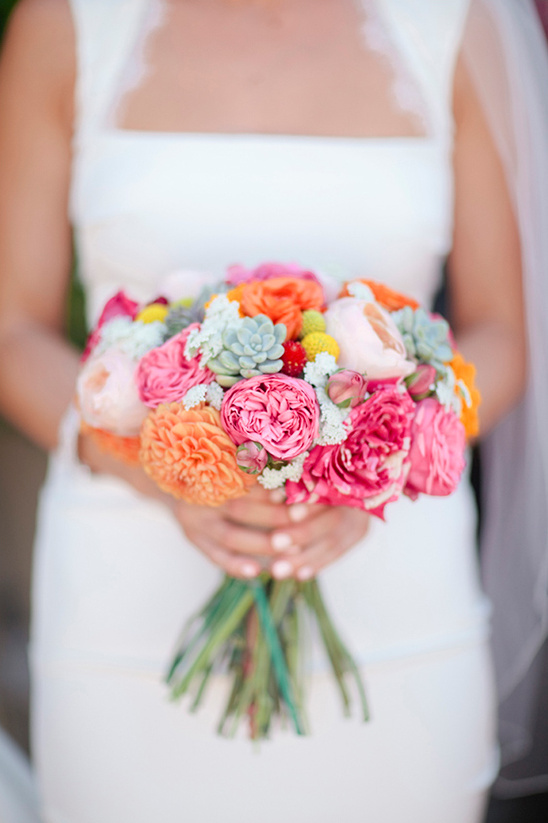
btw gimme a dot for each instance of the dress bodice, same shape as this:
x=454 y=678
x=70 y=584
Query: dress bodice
x=146 y=203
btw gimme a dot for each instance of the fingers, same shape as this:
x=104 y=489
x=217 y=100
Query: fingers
x=257 y=513
x=233 y=564
x=327 y=547
x=241 y=539
x=211 y=524
x=320 y=523
x=292 y=549
x=267 y=512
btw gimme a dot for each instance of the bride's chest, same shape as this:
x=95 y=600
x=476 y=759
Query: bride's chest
x=147 y=204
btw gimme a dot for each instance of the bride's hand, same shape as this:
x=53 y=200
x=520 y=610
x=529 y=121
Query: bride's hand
x=252 y=533
x=246 y=535
x=258 y=532
x=318 y=541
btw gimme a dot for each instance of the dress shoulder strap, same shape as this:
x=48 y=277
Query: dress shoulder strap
x=106 y=31
x=428 y=34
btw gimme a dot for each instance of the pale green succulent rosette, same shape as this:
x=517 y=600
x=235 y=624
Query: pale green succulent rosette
x=426 y=338
x=251 y=346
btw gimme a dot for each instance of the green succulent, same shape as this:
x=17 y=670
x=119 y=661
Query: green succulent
x=252 y=346
x=180 y=317
x=426 y=337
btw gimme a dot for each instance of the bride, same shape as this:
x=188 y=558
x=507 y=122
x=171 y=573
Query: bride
x=182 y=136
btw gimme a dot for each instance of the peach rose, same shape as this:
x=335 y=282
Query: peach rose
x=189 y=455
x=369 y=340
x=283 y=299
x=107 y=393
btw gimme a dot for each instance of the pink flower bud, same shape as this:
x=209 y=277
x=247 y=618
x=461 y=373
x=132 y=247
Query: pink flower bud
x=251 y=457
x=347 y=388
x=419 y=384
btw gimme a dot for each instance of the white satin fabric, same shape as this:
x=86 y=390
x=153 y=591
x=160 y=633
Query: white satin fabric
x=115 y=579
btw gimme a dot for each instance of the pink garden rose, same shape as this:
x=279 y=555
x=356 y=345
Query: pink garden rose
x=164 y=374
x=279 y=412
x=438 y=441
x=107 y=393
x=369 y=341
x=369 y=469
x=118 y=306
x=267 y=271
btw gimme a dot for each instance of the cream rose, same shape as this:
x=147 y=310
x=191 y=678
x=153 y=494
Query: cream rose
x=369 y=340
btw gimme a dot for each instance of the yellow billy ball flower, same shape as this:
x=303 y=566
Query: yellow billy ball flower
x=318 y=342
x=313 y=321
x=185 y=302
x=156 y=311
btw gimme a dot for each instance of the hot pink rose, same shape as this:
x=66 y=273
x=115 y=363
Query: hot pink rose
x=107 y=393
x=438 y=441
x=118 y=306
x=369 y=469
x=165 y=375
x=267 y=271
x=279 y=412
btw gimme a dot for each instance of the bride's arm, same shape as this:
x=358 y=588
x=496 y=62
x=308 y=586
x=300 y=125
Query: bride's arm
x=37 y=366
x=485 y=264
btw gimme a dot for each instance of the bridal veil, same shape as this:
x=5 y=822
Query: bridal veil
x=506 y=53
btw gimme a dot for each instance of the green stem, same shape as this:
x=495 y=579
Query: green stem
x=215 y=641
x=276 y=653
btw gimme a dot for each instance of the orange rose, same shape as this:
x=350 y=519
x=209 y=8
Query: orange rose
x=467 y=372
x=125 y=449
x=189 y=455
x=283 y=299
x=388 y=298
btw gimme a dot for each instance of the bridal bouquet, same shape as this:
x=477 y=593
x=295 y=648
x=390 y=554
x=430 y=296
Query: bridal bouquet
x=352 y=401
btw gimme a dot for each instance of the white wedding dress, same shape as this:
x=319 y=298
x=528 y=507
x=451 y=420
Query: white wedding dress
x=115 y=579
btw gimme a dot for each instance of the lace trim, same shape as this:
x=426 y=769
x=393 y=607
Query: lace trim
x=136 y=67
x=407 y=96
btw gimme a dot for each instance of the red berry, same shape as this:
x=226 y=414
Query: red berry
x=294 y=359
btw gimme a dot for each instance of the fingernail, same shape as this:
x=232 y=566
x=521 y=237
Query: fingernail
x=281 y=569
x=277 y=496
x=249 y=570
x=298 y=512
x=306 y=573
x=281 y=542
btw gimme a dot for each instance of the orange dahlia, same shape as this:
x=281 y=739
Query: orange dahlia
x=283 y=299
x=188 y=454
x=388 y=298
x=125 y=449
x=467 y=372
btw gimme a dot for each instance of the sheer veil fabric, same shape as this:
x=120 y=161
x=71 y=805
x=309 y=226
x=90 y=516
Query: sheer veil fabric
x=506 y=54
